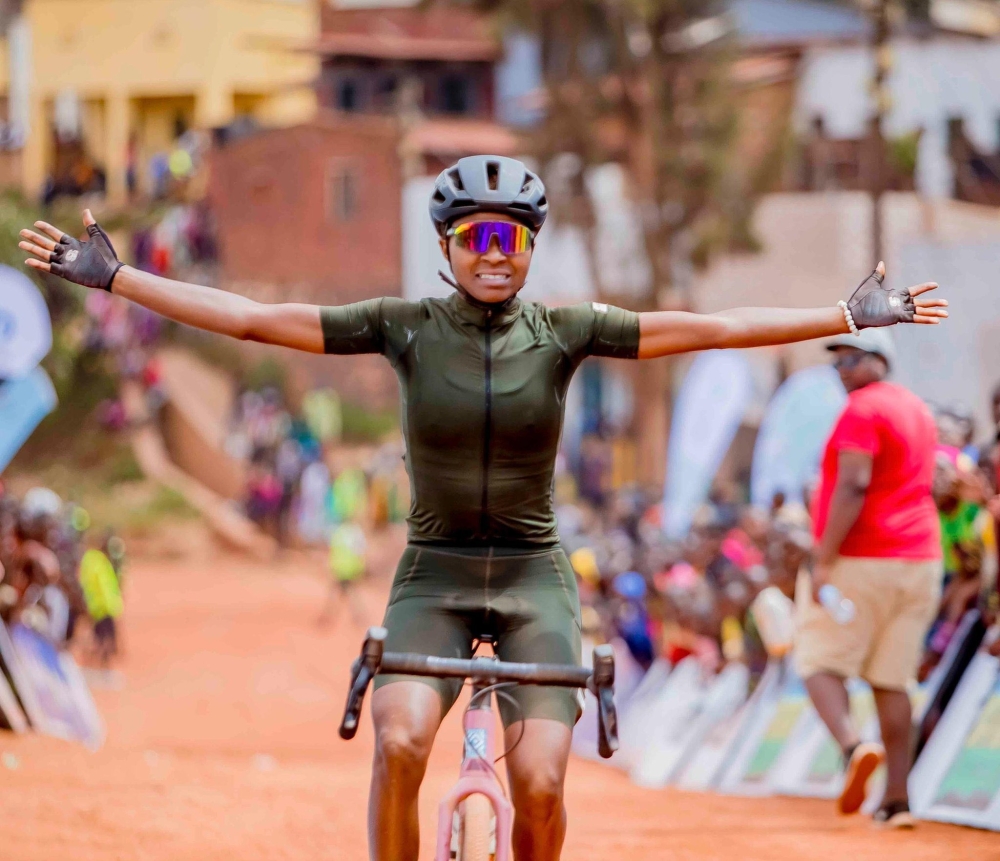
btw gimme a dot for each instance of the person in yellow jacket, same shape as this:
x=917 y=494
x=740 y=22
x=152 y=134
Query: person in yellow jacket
x=104 y=601
x=347 y=565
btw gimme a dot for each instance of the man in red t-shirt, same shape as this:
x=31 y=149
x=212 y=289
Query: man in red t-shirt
x=878 y=542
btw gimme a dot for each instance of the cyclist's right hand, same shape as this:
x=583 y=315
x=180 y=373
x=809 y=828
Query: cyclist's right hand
x=92 y=263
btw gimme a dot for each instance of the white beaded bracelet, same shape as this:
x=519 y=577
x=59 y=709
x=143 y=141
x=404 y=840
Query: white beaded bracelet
x=849 y=317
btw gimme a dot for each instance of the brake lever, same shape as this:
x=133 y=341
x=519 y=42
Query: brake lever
x=602 y=686
x=363 y=670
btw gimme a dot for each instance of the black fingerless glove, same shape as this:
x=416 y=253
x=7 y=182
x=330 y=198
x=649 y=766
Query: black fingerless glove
x=873 y=305
x=92 y=263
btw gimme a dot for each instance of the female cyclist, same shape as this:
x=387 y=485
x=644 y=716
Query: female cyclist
x=483 y=377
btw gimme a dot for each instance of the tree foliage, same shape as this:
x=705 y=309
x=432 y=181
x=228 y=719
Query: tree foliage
x=647 y=84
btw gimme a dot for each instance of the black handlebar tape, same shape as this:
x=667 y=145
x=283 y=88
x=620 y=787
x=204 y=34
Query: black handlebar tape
x=603 y=688
x=362 y=673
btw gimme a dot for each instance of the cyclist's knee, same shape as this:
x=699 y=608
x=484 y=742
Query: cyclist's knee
x=539 y=795
x=402 y=749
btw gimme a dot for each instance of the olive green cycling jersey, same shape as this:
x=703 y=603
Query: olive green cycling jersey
x=483 y=396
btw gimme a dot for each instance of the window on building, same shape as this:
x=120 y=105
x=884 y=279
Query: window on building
x=342 y=203
x=348 y=95
x=456 y=95
x=385 y=92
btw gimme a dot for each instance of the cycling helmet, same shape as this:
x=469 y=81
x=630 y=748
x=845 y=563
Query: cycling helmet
x=488 y=183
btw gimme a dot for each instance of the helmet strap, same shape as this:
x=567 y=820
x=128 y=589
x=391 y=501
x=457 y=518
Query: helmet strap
x=449 y=281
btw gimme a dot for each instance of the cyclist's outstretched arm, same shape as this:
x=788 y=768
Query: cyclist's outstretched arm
x=664 y=332
x=285 y=325
x=93 y=263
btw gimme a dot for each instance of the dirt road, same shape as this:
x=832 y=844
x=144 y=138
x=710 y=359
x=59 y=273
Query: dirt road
x=222 y=745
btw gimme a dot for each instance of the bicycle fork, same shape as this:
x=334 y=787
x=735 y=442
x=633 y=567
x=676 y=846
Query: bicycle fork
x=477 y=777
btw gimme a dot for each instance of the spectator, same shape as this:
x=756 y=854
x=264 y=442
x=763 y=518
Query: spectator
x=879 y=543
x=314 y=489
x=347 y=566
x=104 y=603
x=969 y=550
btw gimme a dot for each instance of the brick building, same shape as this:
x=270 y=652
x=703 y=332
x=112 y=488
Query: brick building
x=432 y=59
x=313 y=213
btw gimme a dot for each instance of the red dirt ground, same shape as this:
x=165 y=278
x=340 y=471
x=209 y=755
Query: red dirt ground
x=222 y=745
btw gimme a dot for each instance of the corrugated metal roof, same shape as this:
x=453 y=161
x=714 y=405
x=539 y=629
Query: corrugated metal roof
x=796 y=22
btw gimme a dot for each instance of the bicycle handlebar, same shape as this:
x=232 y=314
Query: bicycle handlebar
x=485 y=670
x=374 y=660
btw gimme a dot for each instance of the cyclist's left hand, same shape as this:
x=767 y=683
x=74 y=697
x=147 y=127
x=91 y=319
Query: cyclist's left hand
x=874 y=305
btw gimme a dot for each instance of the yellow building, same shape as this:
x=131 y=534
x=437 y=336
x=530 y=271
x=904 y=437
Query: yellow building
x=140 y=71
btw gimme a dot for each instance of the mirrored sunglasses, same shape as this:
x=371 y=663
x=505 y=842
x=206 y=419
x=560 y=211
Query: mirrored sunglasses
x=476 y=236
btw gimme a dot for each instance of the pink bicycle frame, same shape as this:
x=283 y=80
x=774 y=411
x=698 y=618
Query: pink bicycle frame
x=476 y=777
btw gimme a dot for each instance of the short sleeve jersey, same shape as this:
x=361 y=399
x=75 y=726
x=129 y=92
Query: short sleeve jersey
x=483 y=396
x=898 y=518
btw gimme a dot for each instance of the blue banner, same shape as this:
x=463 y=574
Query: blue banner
x=23 y=404
x=796 y=426
x=65 y=707
x=710 y=407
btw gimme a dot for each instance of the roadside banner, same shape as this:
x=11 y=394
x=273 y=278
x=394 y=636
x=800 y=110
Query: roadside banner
x=17 y=679
x=811 y=762
x=673 y=742
x=932 y=697
x=25 y=327
x=65 y=707
x=11 y=715
x=795 y=428
x=764 y=738
x=711 y=405
x=704 y=767
x=647 y=718
x=957 y=777
x=24 y=402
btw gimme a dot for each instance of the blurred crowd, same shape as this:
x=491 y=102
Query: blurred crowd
x=695 y=597
x=54 y=574
x=301 y=487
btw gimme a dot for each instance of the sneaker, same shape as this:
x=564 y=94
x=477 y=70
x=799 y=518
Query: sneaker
x=865 y=758
x=894 y=814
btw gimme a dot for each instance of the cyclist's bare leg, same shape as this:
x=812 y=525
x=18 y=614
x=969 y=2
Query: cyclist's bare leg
x=406 y=717
x=536 y=768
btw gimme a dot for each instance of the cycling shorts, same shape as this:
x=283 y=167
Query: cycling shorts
x=442 y=599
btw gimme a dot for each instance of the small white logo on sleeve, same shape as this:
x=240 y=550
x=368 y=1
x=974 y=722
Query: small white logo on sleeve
x=600 y=307
x=71 y=255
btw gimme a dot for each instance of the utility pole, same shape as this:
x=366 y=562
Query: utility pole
x=880 y=95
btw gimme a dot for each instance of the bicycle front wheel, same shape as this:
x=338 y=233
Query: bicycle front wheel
x=476 y=842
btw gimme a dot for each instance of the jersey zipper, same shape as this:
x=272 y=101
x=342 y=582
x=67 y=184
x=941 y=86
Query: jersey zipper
x=487 y=429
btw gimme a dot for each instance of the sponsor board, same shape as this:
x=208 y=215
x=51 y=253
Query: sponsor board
x=706 y=704
x=957 y=777
x=765 y=737
x=11 y=715
x=65 y=708
x=18 y=680
x=703 y=768
x=811 y=763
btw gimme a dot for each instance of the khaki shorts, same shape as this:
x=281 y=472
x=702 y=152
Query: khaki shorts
x=896 y=601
